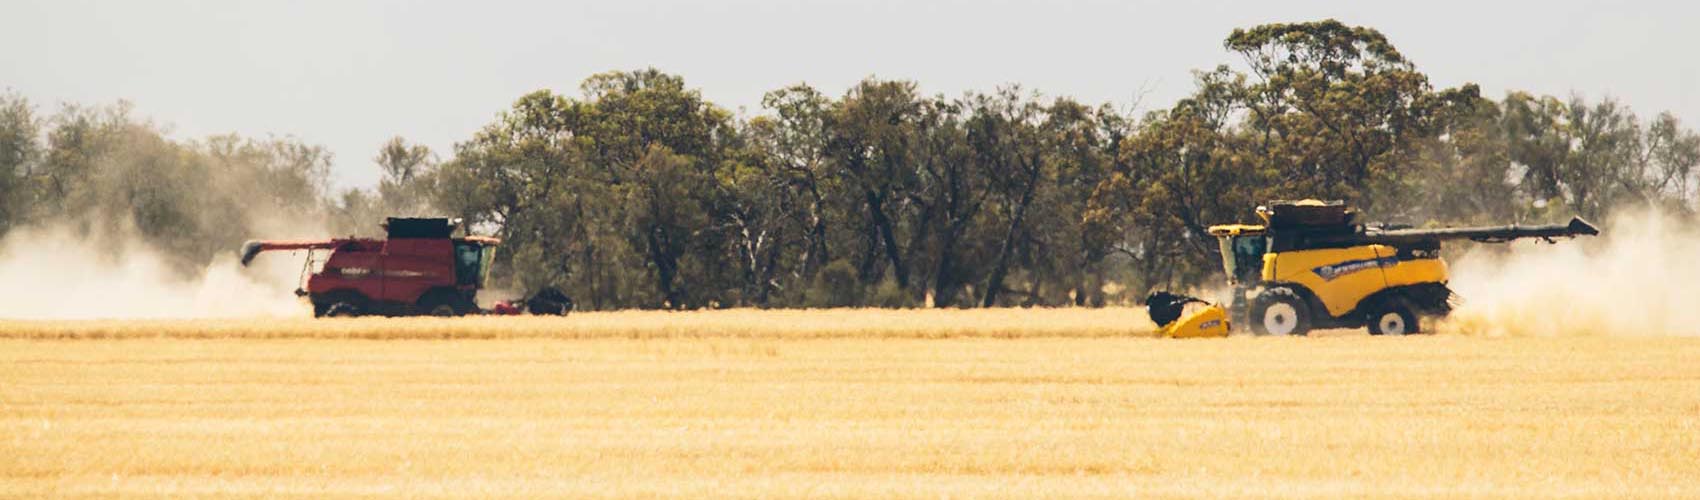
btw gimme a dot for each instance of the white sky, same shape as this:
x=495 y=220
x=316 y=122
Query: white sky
x=350 y=74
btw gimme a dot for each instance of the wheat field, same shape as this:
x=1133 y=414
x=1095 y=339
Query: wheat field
x=732 y=323
x=833 y=404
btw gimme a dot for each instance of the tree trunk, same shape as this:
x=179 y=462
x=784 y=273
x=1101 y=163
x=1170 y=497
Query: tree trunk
x=815 y=253
x=1001 y=269
x=768 y=266
x=944 y=279
x=666 y=267
x=883 y=224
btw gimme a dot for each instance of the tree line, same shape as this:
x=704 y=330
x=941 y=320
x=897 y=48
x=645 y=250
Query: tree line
x=640 y=193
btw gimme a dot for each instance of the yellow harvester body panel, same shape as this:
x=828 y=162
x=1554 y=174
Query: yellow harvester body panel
x=1342 y=277
x=1235 y=229
x=1416 y=271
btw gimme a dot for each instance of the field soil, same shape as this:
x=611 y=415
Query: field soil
x=887 y=412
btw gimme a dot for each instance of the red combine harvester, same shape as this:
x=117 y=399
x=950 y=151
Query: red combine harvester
x=420 y=269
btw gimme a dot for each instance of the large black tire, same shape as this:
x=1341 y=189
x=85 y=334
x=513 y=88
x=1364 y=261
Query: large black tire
x=341 y=310
x=445 y=303
x=1280 y=311
x=1392 y=317
x=341 y=303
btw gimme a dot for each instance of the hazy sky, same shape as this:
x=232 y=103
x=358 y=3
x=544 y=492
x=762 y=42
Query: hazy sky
x=349 y=74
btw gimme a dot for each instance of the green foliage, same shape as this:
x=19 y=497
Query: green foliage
x=640 y=193
x=622 y=196
x=408 y=171
x=891 y=296
x=20 y=149
x=115 y=179
x=836 y=285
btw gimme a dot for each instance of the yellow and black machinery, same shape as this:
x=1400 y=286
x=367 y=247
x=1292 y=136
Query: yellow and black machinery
x=1312 y=265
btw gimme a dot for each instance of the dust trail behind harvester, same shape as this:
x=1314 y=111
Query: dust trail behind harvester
x=1641 y=277
x=55 y=274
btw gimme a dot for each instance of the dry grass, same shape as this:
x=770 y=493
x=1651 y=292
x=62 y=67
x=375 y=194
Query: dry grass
x=735 y=323
x=764 y=414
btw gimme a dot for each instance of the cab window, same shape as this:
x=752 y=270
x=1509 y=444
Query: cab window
x=1242 y=257
x=468 y=261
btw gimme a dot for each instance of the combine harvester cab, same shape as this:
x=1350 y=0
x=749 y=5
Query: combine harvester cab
x=419 y=269
x=1311 y=265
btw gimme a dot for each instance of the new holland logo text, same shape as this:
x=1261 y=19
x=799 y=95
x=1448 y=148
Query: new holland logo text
x=1328 y=273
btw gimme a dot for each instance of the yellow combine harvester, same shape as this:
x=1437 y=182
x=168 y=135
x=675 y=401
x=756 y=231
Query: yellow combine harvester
x=1312 y=265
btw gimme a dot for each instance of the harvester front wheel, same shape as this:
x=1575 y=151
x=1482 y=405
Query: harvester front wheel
x=339 y=304
x=341 y=310
x=1393 y=318
x=445 y=303
x=1280 y=311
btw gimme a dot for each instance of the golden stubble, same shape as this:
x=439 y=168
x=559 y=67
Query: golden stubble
x=888 y=414
x=728 y=323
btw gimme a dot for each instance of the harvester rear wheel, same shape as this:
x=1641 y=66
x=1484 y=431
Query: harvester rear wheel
x=1393 y=318
x=1280 y=311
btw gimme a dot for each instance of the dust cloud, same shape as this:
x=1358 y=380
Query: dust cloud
x=1640 y=277
x=56 y=274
